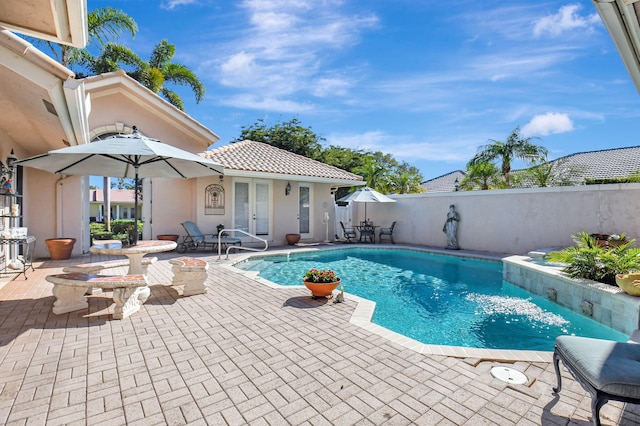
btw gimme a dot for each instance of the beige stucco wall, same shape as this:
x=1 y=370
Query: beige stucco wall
x=172 y=203
x=512 y=221
x=284 y=208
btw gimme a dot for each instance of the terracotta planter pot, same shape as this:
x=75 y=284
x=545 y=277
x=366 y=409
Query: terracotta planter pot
x=626 y=283
x=321 y=289
x=292 y=238
x=60 y=248
x=168 y=237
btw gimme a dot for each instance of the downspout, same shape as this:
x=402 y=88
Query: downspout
x=59 y=207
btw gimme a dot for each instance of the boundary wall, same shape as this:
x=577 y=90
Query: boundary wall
x=513 y=221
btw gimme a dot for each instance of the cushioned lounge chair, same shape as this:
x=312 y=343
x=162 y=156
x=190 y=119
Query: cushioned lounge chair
x=195 y=239
x=609 y=371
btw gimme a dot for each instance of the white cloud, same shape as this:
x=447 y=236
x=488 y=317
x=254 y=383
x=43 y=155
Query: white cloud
x=405 y=148
x=325 y=87
x=546 y=124
x=172 y=4
x=272 y=104
x=286 y=45
x=566 y=19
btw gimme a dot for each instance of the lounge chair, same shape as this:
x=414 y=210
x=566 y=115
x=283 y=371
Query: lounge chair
x=609 y=371
x=195 y=239
x=348 y=233
x=387 y=232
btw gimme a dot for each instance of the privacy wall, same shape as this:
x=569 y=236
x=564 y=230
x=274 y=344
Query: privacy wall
x=513 y=220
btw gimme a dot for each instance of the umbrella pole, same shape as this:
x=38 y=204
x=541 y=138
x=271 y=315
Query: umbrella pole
x=135 y=210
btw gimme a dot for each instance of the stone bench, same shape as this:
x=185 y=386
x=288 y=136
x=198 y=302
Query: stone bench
x=96 y=267
x=190 y=272
x=70 y=291
x=609 y=371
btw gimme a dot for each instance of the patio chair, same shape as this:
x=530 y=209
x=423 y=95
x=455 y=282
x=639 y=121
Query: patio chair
x=609 y=371
x=348 y=233
x=367 y=232
x=387 y=232
x=195 y=239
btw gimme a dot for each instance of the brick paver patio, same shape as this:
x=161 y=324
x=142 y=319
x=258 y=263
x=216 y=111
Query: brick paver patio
x=245 y=353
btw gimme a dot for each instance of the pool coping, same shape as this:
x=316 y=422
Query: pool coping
x=364 y=309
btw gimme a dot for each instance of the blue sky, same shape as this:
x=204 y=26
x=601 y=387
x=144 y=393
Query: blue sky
x=428 y=82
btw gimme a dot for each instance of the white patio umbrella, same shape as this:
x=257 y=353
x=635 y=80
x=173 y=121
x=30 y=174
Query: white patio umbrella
x=367 y=195
x=128 y=156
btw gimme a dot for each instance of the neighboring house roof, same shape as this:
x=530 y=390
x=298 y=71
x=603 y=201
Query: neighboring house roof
x=119 y=196
x=606 y=163
x=576 y=168
x=249 y=158
x=444 y=183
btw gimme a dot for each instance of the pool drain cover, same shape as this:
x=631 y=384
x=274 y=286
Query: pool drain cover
x=509 y=375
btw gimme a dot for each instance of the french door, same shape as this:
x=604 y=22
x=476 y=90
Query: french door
x=304 y=211
x=252 y=207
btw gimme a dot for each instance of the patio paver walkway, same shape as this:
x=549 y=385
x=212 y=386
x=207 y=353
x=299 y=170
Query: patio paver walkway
x=245 y=353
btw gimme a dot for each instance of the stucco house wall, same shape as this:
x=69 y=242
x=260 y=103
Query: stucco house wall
x=283 y=211
x=512 y=221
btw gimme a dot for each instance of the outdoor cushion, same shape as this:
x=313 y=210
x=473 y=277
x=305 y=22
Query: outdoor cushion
x=610 y=367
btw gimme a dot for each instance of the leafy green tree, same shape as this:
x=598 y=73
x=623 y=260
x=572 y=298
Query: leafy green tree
x=104 y=25
x=404 y=179
x=342 y=158
x=505 y=152
x=123 y=183
x=482 y=175
x=290 y=136
x=381 y=171
x=374 y=173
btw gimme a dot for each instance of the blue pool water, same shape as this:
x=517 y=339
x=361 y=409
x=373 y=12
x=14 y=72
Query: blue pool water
x=439 y=299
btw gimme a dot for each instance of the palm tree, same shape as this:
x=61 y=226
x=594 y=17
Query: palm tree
x=515 y=147
x=160 y=70
x=152 y=74
x=484 y=175
x=104 y=25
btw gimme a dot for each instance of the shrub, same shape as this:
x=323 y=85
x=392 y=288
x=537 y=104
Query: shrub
x=591 y=261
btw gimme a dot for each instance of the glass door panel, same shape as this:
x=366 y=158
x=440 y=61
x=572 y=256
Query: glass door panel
x=304 y=210
x=241 y=206
x=262 y=209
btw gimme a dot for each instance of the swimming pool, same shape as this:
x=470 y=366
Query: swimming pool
x=439 y=299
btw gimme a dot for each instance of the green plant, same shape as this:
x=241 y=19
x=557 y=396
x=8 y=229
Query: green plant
x=119 y=229
x=591 y=261
x=320 y=276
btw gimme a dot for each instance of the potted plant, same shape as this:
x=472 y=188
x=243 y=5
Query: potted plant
x=292 y=239
x=614 y=265
x=60 y=248
x=321 y=282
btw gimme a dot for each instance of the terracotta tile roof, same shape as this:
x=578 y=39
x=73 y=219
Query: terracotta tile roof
x=575 y=168
x=261 y=157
